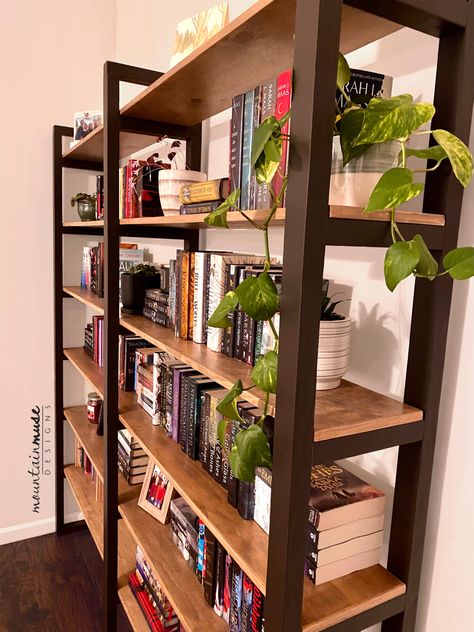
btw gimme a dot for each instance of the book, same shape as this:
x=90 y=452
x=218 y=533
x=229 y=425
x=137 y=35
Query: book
x=247 y=597
x=185 y=527
x=220 y=579
x=147 y=191
x=235 y=622
x=246 y=499
x=363 y=86
x=247 y=138
x=329 y=572
x=283 y=104
x=349 y=548
x=211 y=561
x=258 y=601
x=317 y=540
x=268 y=104
x=192 y=258
x=235 y=144
x=199 y=207
x=207 y=191
x=196 y=385
x=201 y=551
x=184 y=407
x=227 y=593
x=201 y=261
x=257 y=106
x=263 y=496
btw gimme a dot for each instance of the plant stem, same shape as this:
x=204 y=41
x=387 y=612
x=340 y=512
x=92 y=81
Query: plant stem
x=267 y=250
x=430 y=168
x=392 y=225
x=404 y=153
x=265 y=407
x=274 y=331
x=254 y=224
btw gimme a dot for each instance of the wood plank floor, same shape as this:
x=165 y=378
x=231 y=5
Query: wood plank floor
x=52 y=584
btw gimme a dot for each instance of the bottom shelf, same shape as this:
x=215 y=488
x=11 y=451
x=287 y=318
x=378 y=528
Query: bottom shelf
x=131 y=607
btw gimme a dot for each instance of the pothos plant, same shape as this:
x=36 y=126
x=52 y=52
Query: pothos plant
x=359 y=126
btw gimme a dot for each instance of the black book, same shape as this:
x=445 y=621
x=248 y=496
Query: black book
x=197 y=385
x=247 y=596
x=220 y=579
x=235 y=623
x=246 y=499
x=250 y=414
x=156 y=317
x=210 y=551
x=199 y=207
x=131 y=344
x=149 y=204
x=184 y=407
x=236 y=141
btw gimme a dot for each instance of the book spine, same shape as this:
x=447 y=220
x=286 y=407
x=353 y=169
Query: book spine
x=247 y=149
x=310 y=570
x=169 y=401
x=207 y=298
x=220 y=580
x=246 y=499
x=228 y=333
x=247 y=596
x=236 y=129
x=232 y=483
x=216 y=293
x=207 y=191
x=225 y=453
x=156 y=316
x=183 y=412
x=184 y=296
x=201 y=552
x=227 y=593
x=256 y=122
x=257 y=610
x=177 y=324
x=199 y=207
x=172 y=294
x=176 y=402
x=258 y=340
x=267 y=109
x=211 y=560
x=191 y=295
x=199 y=329
x=206 y=409
x=235 y=623
x=191 y=421
x=282 y=105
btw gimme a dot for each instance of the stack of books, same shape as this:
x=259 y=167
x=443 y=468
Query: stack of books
x=156 y=306
x=132 y=458
x=203 y=197
x=227 y=589
x=94 y=339
x=151 y=598
x=345 y=521
x=83 y=461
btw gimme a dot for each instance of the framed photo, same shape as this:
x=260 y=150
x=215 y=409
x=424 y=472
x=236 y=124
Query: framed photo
x=157 y=492
x=85 y=123
x=195 y=31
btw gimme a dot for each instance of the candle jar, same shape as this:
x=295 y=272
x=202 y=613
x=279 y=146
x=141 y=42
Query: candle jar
x=94 y=406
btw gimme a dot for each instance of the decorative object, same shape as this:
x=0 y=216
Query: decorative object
x=94 y=407
x=85 y=123
x=170 y=183
x=195 y=31
x=134 y=284
x=156 y=493
x=333 y=347
x=86 y=206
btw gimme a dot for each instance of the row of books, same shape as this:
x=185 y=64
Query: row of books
x=197 y=283
x=151 y=597
x=92 y=272
x=94 y=339
x=139 y=189
x=82 y=460
x=132 y=458
x=345 y=521
x=249 y=110
x=227 y=589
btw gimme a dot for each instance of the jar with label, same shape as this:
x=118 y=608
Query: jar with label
x=94 y=406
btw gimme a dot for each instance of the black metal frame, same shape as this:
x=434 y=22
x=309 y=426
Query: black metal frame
x=306 y=237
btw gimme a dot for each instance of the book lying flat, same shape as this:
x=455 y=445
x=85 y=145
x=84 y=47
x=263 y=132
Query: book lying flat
x=329 y=572
x=348 y=549
x=338 y=535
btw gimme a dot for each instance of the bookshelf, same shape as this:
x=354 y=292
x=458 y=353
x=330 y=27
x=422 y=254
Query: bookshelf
x=270 y=36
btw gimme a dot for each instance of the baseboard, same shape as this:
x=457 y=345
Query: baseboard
x=33 y=529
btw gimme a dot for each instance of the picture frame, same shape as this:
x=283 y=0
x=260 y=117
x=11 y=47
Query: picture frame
x=156 y=493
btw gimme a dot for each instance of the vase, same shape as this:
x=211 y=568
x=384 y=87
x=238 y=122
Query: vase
x=352 y=185
x=133 y=289
x=86 y=211
x=333 y=353
x=170 y=183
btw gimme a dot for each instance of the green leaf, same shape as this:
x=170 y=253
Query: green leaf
x=251 y=450
x=460 y=263
x=285 y=118
x=343 y=72
x=394 y=187
x=221 y=428
x=258 y=296
x=264 y=373
x=265 y=169
x=218 y=217
x=392 y=118
x=228 y=405
x=225 y=307
x=261 y=136
x=350 y=126
x=400 y=261
x=427 y=265
x=272 y=150
x=436 y=152
x=459 y=155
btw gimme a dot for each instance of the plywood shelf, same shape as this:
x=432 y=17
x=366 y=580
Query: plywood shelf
x=85 y=296
x=333 y=602
x=403 y=217
x=130 y=605
x=169 y=567
x=260 y=42
x=347 y=410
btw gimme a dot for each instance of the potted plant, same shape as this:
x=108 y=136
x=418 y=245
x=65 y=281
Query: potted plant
x=172 y=180
x=334 y=345
x=86 y=206
x=134 y=285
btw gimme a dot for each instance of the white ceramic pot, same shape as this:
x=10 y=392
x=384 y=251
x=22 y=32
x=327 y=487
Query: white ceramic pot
x=352 y=185
x=333 y=353
x=170 y=183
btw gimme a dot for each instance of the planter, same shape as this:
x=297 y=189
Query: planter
x=86 y=211
x=352 y=185
x=133 y=288
x=170 y=183
x=333 y=353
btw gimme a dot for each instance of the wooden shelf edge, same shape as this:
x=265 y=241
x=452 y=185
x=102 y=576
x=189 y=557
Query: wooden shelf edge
x=130 y=605
x=86 y=297
x=97 y=223
x=84 y=494
x=403 y=217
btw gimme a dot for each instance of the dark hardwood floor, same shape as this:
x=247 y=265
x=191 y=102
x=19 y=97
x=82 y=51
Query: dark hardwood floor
x=52 y=584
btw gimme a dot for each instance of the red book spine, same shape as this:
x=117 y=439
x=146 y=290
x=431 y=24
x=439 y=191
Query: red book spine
x=283 y=104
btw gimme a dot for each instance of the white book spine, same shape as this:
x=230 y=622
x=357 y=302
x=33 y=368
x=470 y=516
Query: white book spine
x=199 y=328
x=216 y=293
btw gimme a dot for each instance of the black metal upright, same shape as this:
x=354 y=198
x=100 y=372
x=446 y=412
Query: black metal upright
x=316 y=47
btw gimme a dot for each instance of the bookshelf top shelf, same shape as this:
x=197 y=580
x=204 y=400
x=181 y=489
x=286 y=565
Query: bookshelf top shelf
x=259 y=42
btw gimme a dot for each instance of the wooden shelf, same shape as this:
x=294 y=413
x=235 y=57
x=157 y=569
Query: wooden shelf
x=243 y=539
x=334 y=602
x=171 y=570
x=403 y=217
x=84 y=493
x=85 y=296
x=98 y=223
x=260 y=42
x=130 y=605
x=94 y=447
x=347 y=410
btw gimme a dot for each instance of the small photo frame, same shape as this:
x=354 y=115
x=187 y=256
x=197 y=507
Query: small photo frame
x=85 y=123
x=156 y=493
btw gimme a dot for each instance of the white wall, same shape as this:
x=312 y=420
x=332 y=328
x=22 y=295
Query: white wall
x=52 y=54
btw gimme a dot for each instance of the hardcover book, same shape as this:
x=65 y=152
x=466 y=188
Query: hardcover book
x=235 y=623
x=207 y=191
x=268 y=104
x=236 y=133
x=363 y=86
x=247 y=139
